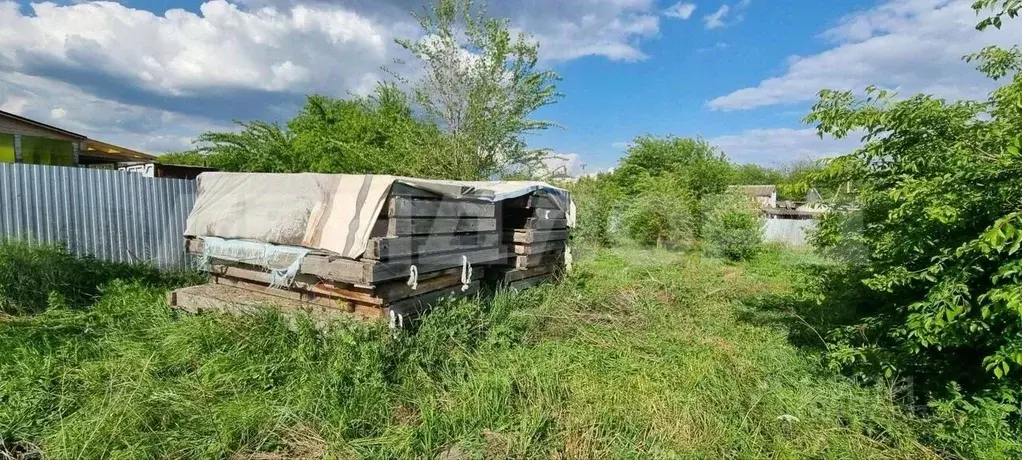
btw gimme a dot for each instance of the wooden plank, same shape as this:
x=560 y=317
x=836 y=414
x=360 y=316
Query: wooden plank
x=302 y=282
x=324 y=300
x=526 y=283
x=538 y=248
x=395 y=247
x=538 y=236
x=400 y=206
x=229 y=299
x=400 y=290
x=534 y=223
x=396 y=269
x=418 y=305
x=508 y=276
x=428 y=226
x=535 y=260
x=326 y=267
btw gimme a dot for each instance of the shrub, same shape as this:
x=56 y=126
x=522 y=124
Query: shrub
x=35 y=276
x=732 y=226
x=660 y=214
x=595 y=199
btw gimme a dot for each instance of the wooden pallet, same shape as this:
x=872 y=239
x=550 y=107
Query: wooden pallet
x=552 y=258
x=429 y=226
x=536 y=248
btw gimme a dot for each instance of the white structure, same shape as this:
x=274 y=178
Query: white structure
x=765 y=195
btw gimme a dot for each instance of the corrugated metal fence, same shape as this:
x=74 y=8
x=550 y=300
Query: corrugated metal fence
x=115 y=216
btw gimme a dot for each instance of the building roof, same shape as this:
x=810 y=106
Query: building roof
x=97 y=149
x=756 y=190
x=40 y=125
x=91 y=148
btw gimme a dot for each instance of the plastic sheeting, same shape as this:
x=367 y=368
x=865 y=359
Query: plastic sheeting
x=334 y=213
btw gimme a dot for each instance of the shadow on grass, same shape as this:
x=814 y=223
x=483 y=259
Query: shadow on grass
x=34 y=277
x=823 y=297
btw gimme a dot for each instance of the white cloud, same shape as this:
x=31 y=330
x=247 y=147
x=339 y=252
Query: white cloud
x=680 y=10
x=621 y=145
x=910 y=46
x=565 y=164
x=776 y=147
x=716 y=19
x=124 y=72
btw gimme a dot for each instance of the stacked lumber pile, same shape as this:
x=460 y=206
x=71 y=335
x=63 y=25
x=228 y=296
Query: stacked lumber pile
x=422 y=248
x=534 y=235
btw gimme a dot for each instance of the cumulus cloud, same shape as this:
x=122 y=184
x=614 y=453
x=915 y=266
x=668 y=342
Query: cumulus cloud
x=910 y=46
x=680 y=10
x=249 y=59
x=775 y=147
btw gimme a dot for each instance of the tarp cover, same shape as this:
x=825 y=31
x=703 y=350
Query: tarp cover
x=327 y=212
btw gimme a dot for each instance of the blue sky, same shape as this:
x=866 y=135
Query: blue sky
x=152 y=74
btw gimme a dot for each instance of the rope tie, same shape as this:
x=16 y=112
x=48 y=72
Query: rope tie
x=466 y=273
x=413 y=277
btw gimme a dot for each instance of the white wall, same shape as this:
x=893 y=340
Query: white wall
x=788 y=231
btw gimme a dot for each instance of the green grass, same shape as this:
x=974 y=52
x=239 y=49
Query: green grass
x=637 y=354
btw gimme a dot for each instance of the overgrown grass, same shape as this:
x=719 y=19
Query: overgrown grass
x=637 y=354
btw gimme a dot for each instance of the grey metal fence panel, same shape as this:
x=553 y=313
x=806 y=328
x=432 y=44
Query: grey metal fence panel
x=112 y=215
x=788 y=231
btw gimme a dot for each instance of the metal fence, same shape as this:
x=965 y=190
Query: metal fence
x=112 y=215
x=788 y=231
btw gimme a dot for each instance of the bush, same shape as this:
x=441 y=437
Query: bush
x=660 y=214
x=732 y=226
x=595 y=199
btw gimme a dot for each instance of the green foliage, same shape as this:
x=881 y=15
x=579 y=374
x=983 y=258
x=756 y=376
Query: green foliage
x=481 y=85
x=36 y=276
x=935 y=236
x=732 y=226
x=695 y=164
x=596 y=199
x=522 y=375
x=660 y=213
x=1001 y=8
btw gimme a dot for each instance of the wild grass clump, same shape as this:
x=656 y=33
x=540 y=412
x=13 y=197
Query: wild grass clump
x=636 y=354
x=34 y=276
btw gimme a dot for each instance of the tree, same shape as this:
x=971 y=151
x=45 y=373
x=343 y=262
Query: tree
x=936 y=233
x=699 y=166
x=481 y=86
x=661 y=213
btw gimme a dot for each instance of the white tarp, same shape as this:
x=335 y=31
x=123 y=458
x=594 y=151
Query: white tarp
x=327 y=212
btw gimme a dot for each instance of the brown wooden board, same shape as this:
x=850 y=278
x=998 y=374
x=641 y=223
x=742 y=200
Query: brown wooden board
x=430 y=226
x=230 y=299
x=418 y=305
x=548 y=258
x=396 y=247
x=400 y=206
x=399 y=268
x=511 y=275
x=538 y=248
x=535 y=223
x=302 y=282
x=322 y=299
x=538 y=236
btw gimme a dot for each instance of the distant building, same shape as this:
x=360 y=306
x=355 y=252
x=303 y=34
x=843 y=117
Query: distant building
x=765 y=195
x=165 y=171
x=23 y=140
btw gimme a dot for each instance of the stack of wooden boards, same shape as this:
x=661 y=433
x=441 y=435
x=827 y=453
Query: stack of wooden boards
x=422 y=248
x=534 y=235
